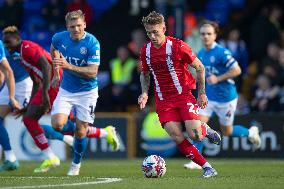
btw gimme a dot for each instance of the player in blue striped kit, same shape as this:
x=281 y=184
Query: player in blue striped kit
x=77 y=52
x=221 y=91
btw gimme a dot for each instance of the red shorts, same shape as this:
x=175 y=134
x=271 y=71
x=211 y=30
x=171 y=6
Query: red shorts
x=180 y=109
x=52 y=93
x=37 y=98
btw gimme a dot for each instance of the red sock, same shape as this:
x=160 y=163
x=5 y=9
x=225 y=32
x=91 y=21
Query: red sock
x=36 y=132
x=191 y=152
x=93 y=132
x=204 y=130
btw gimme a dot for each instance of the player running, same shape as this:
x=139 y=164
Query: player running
x=77 y=52
x=167 y=58
x=8 y=102
x=221 y=68
x=38 y=63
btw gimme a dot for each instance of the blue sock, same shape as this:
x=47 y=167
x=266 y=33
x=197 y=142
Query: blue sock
x=51 y=133
x=80 y=146
x=68 y=127
x=4 y=137
x=240 y=131
x=199 y=145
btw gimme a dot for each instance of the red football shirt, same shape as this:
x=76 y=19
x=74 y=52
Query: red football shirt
x=31 y=53
x=169 y=67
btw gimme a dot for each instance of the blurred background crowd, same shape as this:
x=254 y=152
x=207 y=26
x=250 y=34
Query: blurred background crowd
x=252 y=29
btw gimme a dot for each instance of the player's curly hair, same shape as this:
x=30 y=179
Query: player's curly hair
x=73 y=15
x=215 y=25
x=153 y=18
x=11 y=30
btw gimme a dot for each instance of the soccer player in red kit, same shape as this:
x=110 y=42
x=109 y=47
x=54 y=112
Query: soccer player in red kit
x=38 y=64
x=167 y=58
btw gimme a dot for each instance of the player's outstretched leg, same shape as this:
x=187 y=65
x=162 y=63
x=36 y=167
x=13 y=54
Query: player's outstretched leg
x=52 y=134
x=192 y=153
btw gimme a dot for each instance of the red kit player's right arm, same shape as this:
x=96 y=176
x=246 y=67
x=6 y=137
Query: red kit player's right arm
x=56 y=78
x=144 y=80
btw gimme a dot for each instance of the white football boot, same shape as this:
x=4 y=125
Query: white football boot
x=192 y=165
x=254 y=138
x=74 y=169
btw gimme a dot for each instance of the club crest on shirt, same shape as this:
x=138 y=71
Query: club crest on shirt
x=83 y=50
x=212 y=59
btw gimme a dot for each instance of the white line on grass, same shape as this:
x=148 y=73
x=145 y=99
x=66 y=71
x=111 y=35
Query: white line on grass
x=103 y=180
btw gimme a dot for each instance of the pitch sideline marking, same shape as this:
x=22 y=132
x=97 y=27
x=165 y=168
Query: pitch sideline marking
x=104 y=180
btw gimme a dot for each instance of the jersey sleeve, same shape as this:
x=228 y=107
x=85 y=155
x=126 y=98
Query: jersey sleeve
x=94 y=52
x=227 y=59
x=144 y=66
x=187 y=54
x=2 y=52
x=55 y=41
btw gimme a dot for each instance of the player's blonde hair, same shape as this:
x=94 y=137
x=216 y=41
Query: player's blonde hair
x=153 y=18
x=74 y=15
x=11 y=30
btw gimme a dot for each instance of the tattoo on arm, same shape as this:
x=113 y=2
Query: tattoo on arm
x=145 y=81
x=200 y=73
x=195 y=133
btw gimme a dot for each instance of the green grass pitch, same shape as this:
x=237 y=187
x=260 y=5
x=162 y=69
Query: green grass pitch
x=127 y=174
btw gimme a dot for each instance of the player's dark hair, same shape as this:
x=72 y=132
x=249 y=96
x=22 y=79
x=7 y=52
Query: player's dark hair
x=11 y=30
x=215 y=25
x=74 y=15
x=153 y=18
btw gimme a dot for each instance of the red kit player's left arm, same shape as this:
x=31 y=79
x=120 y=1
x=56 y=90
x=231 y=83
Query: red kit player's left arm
x=190 y=57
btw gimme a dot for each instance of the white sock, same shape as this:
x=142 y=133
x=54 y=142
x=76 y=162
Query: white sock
x=206 y=165
x=10 y=156
x=76 y=165
x=103 y=133
x=68 y=139
x=48 y=153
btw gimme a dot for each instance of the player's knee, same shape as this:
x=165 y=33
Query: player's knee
x=57 y=125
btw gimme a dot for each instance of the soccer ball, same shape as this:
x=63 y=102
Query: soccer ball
x=154 y=166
